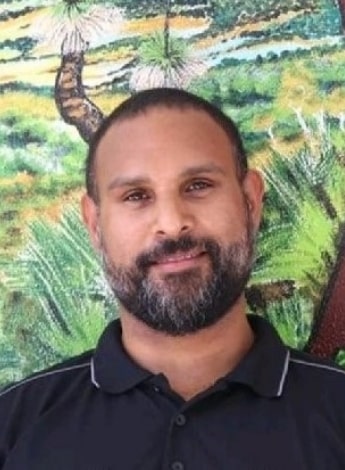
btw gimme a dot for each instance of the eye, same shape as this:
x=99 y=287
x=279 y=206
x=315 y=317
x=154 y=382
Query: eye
x=137 y=195
x=198 y=185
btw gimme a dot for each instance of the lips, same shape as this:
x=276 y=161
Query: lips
x=179 y=258
x=174 y=255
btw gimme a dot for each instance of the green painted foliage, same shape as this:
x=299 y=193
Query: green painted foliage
x=227 y=13
x=58 y=298
x=303 y=220
x=37 y=146
x=291 y=317
x=151 y=52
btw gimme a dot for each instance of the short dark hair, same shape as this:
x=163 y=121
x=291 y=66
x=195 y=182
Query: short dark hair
x=171 y=98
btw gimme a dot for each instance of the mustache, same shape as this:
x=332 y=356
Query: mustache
x=170 y=247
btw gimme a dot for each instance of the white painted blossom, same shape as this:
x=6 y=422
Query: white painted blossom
x=301 y=121
x=341 y=117
x=152 y=76
x=75 y=32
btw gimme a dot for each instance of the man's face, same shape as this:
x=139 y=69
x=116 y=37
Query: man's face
x=174 y=224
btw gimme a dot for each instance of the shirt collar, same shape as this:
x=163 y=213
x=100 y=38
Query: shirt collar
x=263 y=369
x=112 y=369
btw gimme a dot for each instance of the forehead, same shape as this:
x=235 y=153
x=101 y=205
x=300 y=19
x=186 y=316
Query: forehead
x=163 y=139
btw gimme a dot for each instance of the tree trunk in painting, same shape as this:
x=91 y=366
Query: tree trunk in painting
x=73 y=105
x=328 y=334
x=166 y=35
x=341 y=4
x=167 y=31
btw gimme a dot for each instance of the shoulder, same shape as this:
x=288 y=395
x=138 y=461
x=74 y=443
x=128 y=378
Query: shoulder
x=314 y=390
x=51 y=378
x=24 y=402
x=315 y=365
x=313 y=373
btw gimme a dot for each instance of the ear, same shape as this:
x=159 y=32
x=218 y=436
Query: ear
x=254 y=189
x=89 y=212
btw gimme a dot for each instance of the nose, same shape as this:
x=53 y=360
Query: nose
x=172 y=218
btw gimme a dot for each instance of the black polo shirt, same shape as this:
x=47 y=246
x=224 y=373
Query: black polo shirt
x=279 y=409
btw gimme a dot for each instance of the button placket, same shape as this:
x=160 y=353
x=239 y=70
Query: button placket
x=177 y=466
x=180 y=420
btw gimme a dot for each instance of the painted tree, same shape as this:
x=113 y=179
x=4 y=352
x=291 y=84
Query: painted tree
x=165 y=60
x=328 y=333
x=72 y=26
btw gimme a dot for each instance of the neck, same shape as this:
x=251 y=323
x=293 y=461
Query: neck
x=193 y=362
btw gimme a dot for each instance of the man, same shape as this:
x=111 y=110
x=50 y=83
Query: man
x=184 y=380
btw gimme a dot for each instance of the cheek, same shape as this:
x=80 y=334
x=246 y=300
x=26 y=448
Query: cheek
x=228 y=220
x=121 y=238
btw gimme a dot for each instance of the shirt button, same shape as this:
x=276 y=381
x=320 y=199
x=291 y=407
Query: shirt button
x=156 y=389
x=177 y=466
x=180 y=420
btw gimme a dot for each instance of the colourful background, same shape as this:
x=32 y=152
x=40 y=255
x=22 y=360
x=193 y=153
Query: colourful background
x=276 y=67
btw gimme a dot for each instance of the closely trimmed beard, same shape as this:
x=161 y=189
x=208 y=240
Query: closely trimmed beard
x=184 y=302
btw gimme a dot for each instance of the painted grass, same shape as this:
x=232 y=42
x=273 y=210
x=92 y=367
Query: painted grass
x=15 y=28
x=36 y=72
x=241 y=30
x=302 y=89
x=109 y=54
x=145 y=26
x=29 y=104
x=108 y=101
x=25 y=199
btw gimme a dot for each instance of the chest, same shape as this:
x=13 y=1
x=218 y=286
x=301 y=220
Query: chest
x=151 y=435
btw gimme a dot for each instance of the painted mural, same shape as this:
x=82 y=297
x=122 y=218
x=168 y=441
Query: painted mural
x=276 y=67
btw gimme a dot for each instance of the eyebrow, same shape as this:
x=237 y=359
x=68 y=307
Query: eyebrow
x=121 y=181
x=208 y=168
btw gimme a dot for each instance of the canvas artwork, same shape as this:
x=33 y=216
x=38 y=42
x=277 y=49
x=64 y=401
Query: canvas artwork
x=276 y=67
